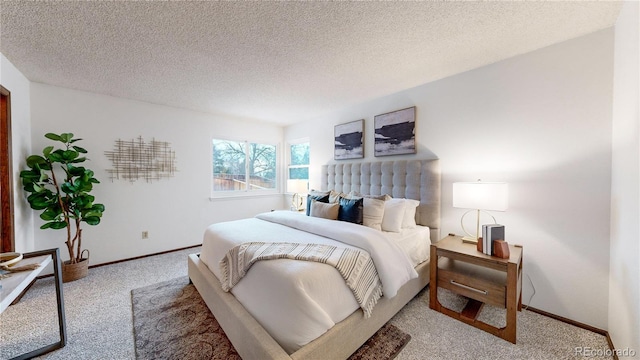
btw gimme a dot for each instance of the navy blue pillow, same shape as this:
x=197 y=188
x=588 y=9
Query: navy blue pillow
x=351 y=210
x=321 y=198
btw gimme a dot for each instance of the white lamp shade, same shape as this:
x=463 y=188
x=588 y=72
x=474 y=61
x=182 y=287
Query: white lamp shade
x=297 y=186
x=481 y=195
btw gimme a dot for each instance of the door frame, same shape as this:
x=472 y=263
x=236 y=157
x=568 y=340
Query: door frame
x=6 y=174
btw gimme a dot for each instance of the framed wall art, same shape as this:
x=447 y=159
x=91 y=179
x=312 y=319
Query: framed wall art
x=348 y=140
x=395 y=132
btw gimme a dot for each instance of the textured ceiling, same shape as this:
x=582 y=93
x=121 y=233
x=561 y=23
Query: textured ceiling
x=281 y=62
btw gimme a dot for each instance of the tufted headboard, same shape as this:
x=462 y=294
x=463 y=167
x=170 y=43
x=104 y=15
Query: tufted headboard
x=411 y=179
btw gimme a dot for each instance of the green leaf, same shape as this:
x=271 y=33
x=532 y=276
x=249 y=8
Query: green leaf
x=45 y=226
x=50 y=214
x=57 y=225
x=38 y=205
x=92 y=214
x=66 y=137
x=78 y=160
x=98 y=207
x=35 y=159
x=68 y=188
x=41 y=200
x=76 y=171
x=38 y=198
x=92 y=220
x=53 y=137
x=70 y=154
x=46 y=151
x=79 y=149
x=85 y=187
x=55 y=156
x=94 y=180
x=29 y=174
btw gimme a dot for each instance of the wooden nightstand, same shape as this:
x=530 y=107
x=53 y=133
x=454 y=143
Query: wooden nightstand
x=460 y=268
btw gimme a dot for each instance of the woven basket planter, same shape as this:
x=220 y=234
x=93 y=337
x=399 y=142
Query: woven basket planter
x=73 y=272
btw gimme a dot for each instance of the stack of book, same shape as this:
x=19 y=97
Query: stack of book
x=490 y=233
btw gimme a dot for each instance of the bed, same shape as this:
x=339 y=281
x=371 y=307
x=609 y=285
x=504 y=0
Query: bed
x=412 y=179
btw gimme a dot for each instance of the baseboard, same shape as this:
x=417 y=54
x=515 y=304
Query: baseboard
x=594 y=329
x=143 y=256
x=127 y=259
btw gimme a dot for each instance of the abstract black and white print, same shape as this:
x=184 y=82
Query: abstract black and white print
x=395 y=132
x=348 y=140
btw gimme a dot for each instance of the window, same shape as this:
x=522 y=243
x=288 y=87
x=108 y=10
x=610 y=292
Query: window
x=241 y=166
x=298 y=168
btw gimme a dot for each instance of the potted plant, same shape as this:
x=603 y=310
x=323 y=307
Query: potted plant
x=59 y=186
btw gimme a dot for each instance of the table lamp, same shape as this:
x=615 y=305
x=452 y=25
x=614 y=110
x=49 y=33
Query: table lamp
x=297 y=187
x=479 y=196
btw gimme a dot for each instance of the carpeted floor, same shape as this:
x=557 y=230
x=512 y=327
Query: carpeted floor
x=171 y=321
x=100 y=325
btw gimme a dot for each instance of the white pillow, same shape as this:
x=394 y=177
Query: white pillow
x=409 y=219
x=324 y=210
x=334 y=196
x=373 y=213
x=393 y=215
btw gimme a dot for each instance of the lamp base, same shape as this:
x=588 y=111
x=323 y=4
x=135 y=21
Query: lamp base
x=469 y=240
x=296 y=202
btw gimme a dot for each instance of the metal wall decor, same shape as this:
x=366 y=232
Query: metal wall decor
x=136 y=159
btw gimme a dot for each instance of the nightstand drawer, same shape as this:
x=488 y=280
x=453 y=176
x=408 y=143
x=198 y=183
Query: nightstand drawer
x=475 y=282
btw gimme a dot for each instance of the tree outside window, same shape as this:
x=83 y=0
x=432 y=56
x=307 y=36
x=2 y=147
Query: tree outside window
x=243 y=166
x=299 y=161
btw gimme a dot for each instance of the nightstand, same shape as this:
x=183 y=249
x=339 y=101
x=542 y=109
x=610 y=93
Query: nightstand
x=484 y=279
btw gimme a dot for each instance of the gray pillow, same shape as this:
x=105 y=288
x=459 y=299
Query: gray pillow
x=324 y=210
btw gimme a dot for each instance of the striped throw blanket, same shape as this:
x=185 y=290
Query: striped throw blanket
x=355 y=266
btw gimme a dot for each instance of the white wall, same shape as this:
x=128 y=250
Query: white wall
x=541 y=122
x=13 y=80
x=624 y=277
x=175 y=211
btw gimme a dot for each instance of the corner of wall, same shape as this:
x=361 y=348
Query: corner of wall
x=624 y=272
x=20 y=87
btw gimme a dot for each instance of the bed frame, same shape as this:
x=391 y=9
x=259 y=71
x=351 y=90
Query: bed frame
x=414 y=179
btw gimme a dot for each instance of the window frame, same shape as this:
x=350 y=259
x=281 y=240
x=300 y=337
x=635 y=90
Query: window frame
x=248 y=192
x=289 y=166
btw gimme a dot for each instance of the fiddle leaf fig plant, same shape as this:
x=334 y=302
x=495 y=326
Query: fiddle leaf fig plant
x=60 y=187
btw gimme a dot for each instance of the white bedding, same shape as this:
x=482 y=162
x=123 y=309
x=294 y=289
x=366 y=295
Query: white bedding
x=297 y=301
x=414 y=242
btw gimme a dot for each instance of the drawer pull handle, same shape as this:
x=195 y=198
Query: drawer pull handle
x=469 y=287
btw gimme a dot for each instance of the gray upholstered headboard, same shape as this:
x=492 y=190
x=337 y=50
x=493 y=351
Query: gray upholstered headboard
x=411 y=179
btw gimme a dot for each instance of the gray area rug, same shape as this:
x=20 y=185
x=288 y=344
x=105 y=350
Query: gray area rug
x=171 y=321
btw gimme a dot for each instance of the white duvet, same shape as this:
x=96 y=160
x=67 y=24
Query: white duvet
x=297 y=301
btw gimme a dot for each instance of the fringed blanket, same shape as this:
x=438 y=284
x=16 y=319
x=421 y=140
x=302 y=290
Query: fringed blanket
x=355 y=266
